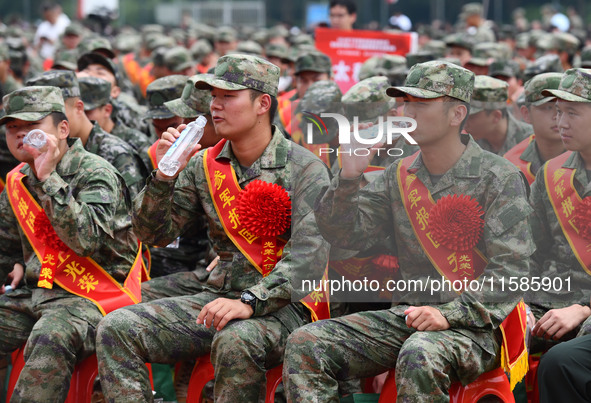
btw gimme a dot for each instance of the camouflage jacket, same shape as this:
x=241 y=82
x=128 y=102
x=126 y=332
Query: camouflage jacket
x=136 y=139
x=131 y=115
x=86 y=201
x=356 y=219
x=554 y=256
x=119 y=154
x=165 y=208
x=516 y=132
x=531 y=154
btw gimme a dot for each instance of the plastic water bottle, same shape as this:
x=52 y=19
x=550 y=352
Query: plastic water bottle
x=170 y=163
x=36 y=138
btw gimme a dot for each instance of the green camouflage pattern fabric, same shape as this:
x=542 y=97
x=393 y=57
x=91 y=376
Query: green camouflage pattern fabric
x=3 y=51
x=165 y=330
x=545 y=64
x=302 y=39
x=65 y=59
x=368 y=99
x=277 y=50
x=534 y=87
x=435 y=46
x=225 y=34
x=126 y=109
x=75 y=28
x=10 y=85
x=575 y=86
x=87 y=59
x=239 y=72
x=192 y=103
x=313 y=61
x=482 y=53
x=137 y=140
x=178 y=58
x=459 y=39
x=532 y=155
x=323 y=96
x=319 y=354
x=163 y=90
x=420 y=57
x=249 y=48
x=64 y=79
x=436 y=79
x=200 y=49
x=160 y=41
x=95 y=92
x=367 y=68
x=504 y=68
x=119 y=154
x=586 y=57
x=32 y=103
x=489 y=94
x=564 y=41
x=96 y=44
x=86 y=202
x=517 y=131
x=554 y=256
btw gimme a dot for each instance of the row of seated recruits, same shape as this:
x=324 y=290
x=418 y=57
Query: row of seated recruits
x=69 y=246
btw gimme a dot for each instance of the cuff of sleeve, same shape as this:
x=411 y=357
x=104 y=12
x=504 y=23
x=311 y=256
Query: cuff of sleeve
x=262 y=295
x=159 y=187
x=52 y=185
x=452 y=312
x=345 y=184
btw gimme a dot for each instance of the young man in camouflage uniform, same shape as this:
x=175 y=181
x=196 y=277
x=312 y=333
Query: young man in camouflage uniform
x=242 y=317
x=530 y=154
x=435 y=340
x=562 y=240
x=96 y=95
x=88 y=206
x=490 y=122
x=95 y=140
x=158 y=92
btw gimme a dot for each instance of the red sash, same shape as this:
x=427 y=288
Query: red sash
x=78 y=275
x=565 y=200
x=514 y=154
x=263 y=254
x=152 y=154
x=452 y=265
x=1 y=185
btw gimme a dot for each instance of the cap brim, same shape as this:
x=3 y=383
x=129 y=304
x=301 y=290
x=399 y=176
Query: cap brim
x=543 y=101
x=567 y=96
x=206 y=83
x=415 y=92
x=67 y=65
x=159 y=113
x=474 y=110
x=182 y=67
x=179 y=108
x=95 y=58
x=88 y=106
x=26 y=116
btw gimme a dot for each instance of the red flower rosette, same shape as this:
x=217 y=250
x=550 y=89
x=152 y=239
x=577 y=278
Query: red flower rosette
x=456 y=223
x=264 y=209
x=46 y=233
x=583 y=218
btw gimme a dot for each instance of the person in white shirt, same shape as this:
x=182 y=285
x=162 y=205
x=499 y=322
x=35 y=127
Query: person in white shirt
x=50 y=30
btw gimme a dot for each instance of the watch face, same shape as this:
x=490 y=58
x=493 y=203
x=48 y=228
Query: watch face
x=247 y=296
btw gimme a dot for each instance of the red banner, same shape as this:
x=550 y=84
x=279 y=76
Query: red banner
x=349 y=49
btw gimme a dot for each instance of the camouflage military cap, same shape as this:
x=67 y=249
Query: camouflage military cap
x=162 y=90
x=178 y=59
x=178 y=35
x=95 y=92
x=249 y=48
x=65 y=59
x=302 y=39
x=14 y=31
x=368 y=67
x=3 y=52
x=421 y=56
x=32 y=103
x=368 y=99
x=277 y=50
x=193 y=102
x=489 y=94
x=575 y=86
x=239 y=72
x=459 y=40
x=96 y=44
x=152 y=28
x=74 y=29
x=160 y=41
x=158 y=56
x=323 y=97
x=436 y=79
x=65 y=80
x=200 y=49
x=522 y=40
x=504 y=68
x=472 y=8
x=545 y=64
x=313 y=61
x=225 y=34
x=534 y=87
x=127 y=43
x=392 y=64
x=94 y=58
x=278 y=31
x=564 y=41
x=586 y=57
x=436 y=47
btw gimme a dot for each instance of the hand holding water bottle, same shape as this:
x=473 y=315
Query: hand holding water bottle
x=45 y=151
x=176 y=148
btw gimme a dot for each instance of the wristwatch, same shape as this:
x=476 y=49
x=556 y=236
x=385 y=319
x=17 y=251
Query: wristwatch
x=249 y=298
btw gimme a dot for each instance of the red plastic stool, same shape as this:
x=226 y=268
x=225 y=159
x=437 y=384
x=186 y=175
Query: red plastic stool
x=531 y=379
x=81 y=385
x=493 y=383
x=203 y=373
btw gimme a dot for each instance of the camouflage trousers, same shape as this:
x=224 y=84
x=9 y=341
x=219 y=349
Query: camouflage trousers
x=365 y=344
x=172 y=285
x=165 y=331
x=58 y=333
